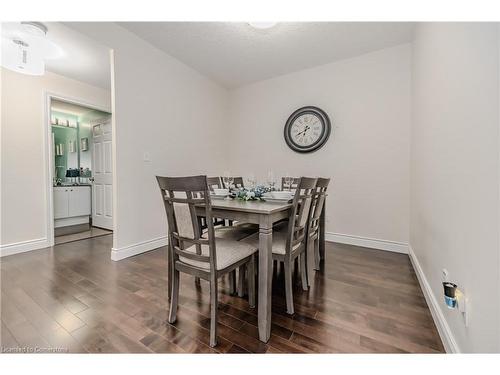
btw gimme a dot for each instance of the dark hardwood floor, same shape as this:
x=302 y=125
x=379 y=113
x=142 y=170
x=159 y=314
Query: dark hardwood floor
x=72 y=297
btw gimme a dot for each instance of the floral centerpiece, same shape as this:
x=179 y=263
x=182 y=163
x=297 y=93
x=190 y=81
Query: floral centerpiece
x=253 y=194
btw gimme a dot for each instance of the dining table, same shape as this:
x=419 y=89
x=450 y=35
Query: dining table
x=264 y=214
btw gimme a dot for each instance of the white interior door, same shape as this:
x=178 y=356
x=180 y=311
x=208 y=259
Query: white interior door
x=102 y=188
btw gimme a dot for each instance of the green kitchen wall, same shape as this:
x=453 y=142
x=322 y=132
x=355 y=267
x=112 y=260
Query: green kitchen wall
x=63 y=135
x=80 y=127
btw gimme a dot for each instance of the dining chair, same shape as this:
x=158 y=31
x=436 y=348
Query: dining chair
x=229 y=232
x=236 y=232
x=289 y=241
x=237 y=182
x=214 y=183
x=242 y=229
x=317 y=206
x=190 y=252
x=295 y=182
x=245 y=228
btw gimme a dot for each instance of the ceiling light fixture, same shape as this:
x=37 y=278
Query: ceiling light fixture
x=262 y=25
x=34 y=28
x=25 y=47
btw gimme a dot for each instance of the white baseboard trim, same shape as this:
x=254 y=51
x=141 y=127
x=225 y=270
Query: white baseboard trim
x=23 y=246
x=138 y=248
x=397 y=247
x=449 y=342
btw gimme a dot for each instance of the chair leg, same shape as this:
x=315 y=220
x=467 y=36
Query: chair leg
x=232 y=282
x=303 y=270
x=241 y=281
x=289 y=286
x=309 y=260
x=172 y=316
x=213 y=311
x=251 y=282
x=317 y=258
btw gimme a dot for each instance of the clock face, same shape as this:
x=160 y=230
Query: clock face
x=307 y=129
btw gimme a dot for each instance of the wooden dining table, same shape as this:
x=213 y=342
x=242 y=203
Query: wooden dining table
x=265 y=214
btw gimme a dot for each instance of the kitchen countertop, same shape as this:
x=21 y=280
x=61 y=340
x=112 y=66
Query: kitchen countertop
x=69 y=186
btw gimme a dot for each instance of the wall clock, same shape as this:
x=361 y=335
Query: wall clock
x=307 y=129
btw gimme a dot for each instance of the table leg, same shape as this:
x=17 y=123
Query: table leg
x=322 y=233
x=265 y=280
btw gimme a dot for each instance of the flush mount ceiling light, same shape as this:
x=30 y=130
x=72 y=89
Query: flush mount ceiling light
x=34 y=28
x=25 y=47
x=262 y=25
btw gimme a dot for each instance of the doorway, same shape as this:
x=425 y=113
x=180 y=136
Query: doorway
x=80 y=144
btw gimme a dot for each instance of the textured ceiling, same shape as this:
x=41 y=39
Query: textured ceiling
x=235 y=54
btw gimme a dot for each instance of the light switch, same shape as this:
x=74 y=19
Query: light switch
x=146 y=157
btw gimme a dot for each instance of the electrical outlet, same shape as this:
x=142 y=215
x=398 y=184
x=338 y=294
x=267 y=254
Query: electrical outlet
x=444 y=275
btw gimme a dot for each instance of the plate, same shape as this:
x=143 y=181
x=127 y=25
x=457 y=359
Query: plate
x=281 y=194
x=215 y=196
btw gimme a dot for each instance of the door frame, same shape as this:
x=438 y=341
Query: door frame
x=48 y=153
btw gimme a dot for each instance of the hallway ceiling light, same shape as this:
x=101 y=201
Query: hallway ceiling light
x=25 y=47
x=262 y=25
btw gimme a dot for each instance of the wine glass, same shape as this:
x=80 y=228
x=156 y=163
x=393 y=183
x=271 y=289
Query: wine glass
x=270 y=179
x=251 y=180
x=227 y=179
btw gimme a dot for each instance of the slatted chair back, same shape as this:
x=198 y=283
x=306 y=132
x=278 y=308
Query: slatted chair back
x=180 y=196
x=301 y=204
x=214 y=183
x=317 y=204
x=295 y=182
x=237 y=182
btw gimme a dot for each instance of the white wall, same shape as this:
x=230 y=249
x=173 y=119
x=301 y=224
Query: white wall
x=168 y=110
x=24 y=202
x=188 y=125
x=454 y=174
x=367 y=155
